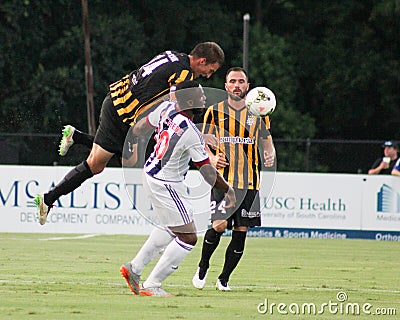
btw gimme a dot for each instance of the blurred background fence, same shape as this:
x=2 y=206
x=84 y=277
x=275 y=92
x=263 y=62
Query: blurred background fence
x=302 y=155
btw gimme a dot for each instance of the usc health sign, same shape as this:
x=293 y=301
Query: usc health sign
x=293 y=205
x=307 y=205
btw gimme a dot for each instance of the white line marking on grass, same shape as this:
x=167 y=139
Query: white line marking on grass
x=86 y=236
x=176 y=285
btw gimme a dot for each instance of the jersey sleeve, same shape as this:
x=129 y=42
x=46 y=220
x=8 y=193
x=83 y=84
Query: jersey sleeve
x=196 y=147
x=181 y=71
x=264 y=127
x=181 y=76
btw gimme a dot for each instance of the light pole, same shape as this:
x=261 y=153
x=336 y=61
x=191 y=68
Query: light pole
x=246 y=19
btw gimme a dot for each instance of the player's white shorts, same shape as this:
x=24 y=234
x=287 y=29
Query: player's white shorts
x=170 y=201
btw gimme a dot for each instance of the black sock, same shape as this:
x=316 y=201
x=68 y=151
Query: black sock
x=71 y=181
x=233 y=254
x=210 y=243
x=80 y=137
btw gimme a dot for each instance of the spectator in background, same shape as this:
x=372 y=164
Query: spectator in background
x=385 y=164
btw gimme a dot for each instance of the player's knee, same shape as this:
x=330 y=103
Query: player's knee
x=220 y=225
x=189 y=238
x=95 y=166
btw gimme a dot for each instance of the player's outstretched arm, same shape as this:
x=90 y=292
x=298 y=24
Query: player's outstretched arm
x=269 y=152
x=214 y=179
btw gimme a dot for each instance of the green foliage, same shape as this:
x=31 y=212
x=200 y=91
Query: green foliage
x=334 y=66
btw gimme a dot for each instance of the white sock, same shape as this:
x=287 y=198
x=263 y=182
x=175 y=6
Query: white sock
x=175 y=252
x=155 y=243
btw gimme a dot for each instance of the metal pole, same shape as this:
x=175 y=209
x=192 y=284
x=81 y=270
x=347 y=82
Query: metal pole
x=308 y=147
x=88 y=70
x=246 y=19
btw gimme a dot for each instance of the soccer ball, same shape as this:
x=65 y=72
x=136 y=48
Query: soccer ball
x=260 y=101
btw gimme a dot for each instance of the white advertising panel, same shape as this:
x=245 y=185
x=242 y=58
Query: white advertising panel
x=381 y=203
x=301 y=200
x=297 y=203
x=100 y=205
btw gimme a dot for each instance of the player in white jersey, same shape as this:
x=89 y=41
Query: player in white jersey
x=178 y=142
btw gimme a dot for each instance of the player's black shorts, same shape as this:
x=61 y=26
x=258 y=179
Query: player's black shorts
x=111 y=132
x=245 y=213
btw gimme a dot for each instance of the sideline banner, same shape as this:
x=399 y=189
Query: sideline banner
x=319 y=205
x=307 y=200
x=100 y=205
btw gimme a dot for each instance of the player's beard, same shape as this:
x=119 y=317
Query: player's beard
x=237 y=97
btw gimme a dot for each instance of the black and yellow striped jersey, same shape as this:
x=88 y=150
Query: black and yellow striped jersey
x=138 y=91
x=238 y=133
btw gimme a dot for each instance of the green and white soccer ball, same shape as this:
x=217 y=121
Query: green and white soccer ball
x=260 y=101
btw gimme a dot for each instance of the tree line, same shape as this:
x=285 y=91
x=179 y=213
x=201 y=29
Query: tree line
x=333 y=65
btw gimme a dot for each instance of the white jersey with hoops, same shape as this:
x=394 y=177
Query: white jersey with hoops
x=178 y=142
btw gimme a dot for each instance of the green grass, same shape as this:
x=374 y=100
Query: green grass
x=78 y=278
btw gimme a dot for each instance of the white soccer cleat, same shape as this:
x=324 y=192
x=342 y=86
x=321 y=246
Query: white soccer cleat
x=66 y=140
x=42 y=209
x=154 y=292
x=222 y=286
x=197 y=282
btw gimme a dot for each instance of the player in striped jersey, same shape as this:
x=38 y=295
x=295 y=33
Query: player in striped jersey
x=235 y=136
x=128 y=99
x=178 y=143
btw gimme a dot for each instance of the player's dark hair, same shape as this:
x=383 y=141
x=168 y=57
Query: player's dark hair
x=209 y=50
x=186 y=85
x=240 y=69
x=183 y=95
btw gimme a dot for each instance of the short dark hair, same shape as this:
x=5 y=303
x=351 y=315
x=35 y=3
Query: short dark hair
x=209 y=50
x=240 y=69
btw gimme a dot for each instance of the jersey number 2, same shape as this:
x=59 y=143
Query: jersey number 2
x=162 y=144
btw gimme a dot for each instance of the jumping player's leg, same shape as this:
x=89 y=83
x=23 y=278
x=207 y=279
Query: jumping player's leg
x=71 y=136
x=109 y=139
x=94 y=164
x=83 y=138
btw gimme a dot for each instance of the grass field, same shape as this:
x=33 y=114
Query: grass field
x=45 y=276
